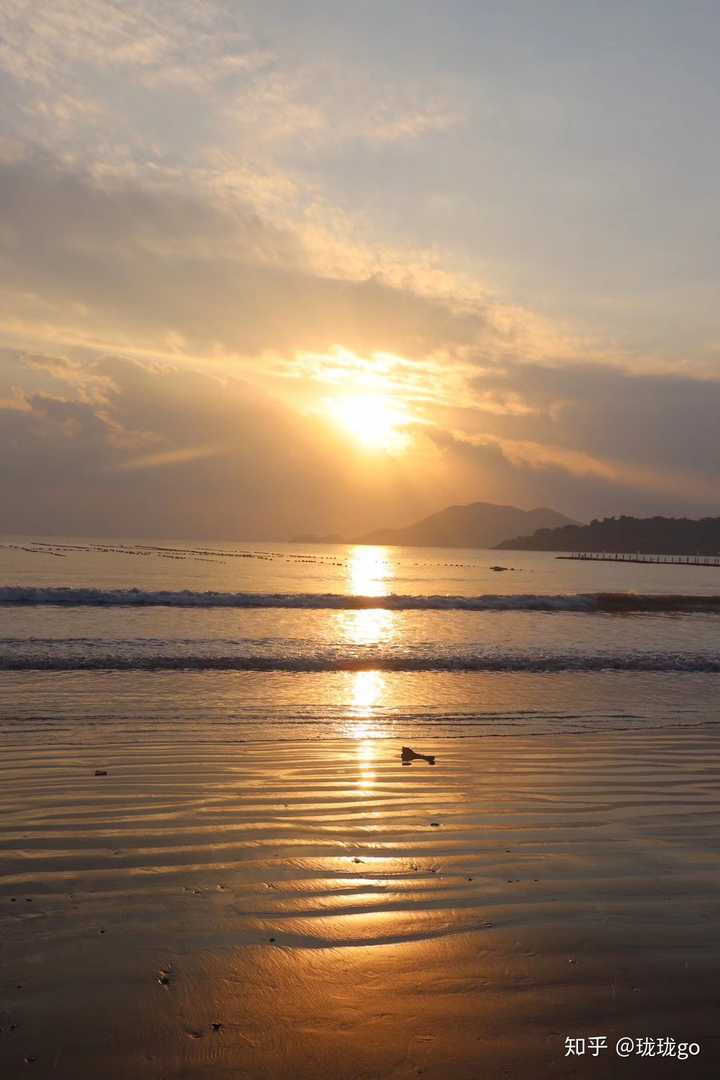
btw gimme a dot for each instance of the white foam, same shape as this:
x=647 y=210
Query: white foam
x=580 y=602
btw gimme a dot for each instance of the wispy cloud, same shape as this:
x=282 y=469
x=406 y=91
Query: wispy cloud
x=167 y=458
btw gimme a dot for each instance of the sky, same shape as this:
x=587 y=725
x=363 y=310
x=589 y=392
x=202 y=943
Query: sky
x=278 y=268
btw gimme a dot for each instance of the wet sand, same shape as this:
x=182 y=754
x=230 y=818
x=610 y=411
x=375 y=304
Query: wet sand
x=220 y=908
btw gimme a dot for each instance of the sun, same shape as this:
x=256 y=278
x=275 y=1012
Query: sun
x=375 y=422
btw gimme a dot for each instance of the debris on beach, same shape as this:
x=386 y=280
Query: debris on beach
x=409 y=755
x=101 y=772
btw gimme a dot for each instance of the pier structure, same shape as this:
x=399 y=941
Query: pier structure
x=636 y=557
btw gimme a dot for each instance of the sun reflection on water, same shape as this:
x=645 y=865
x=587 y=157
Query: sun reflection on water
x=369 y=573
x=366 y=773
x=367 y=689
x=369 y=570
x=372 y=626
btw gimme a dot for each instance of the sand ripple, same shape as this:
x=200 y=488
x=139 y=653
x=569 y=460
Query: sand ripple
x=340 y=844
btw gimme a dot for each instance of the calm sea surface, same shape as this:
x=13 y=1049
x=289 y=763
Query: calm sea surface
x=287 y=640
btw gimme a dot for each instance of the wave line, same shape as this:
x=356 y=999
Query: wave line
x=621 y=603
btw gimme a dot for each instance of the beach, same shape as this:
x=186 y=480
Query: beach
x=213 y=861
x=218 y=906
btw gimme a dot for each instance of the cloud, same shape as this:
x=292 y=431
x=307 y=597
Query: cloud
x=130 y=448
x=87 y=68
x=169 y=458
x=178 y=453
x=655 y=419
x=590 y=438
x=118 y=263
x=219 y=299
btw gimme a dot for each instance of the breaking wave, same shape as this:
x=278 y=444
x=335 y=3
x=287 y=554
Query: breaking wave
x=509 y=662
x=580 y=602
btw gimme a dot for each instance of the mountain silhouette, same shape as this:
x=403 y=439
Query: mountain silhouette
x=474 y=525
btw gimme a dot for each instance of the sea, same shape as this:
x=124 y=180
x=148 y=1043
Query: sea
x=287 y=641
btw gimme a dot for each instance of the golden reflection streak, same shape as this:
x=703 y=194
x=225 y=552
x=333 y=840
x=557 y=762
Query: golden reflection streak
x=372 y=626
x=367 y=688
x=366 y=773
x=369 y=571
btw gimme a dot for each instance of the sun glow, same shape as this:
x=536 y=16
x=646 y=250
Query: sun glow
x=375 y=422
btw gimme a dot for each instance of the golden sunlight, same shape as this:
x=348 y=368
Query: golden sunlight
x=375 y=422
x=369 y=570
x=367 y=690
x=365 y=758
x=374 y=626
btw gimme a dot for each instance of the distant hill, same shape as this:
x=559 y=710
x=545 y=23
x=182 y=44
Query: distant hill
x=645 y=536
x=476 y=525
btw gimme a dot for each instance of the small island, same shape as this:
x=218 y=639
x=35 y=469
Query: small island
x=630 y=535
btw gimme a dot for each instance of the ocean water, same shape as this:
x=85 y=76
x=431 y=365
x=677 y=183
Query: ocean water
x=325 y=640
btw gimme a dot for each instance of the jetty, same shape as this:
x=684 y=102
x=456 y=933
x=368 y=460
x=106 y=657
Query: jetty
x=656 y=560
